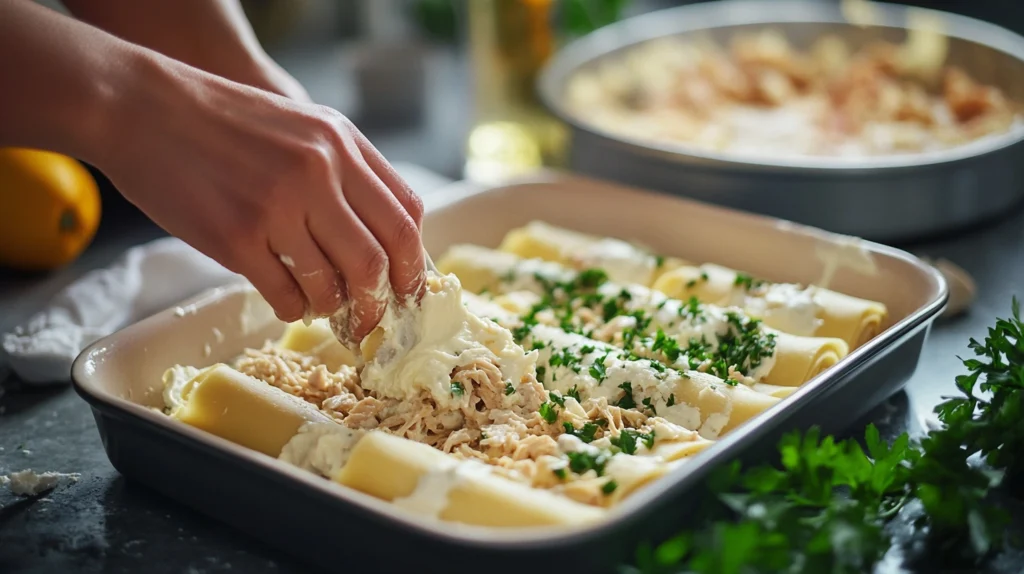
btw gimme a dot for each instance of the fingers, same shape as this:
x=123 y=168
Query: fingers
x=311 y=270
x=397 y=231
x=389 y=176
x=354 y=251
x=273 y=281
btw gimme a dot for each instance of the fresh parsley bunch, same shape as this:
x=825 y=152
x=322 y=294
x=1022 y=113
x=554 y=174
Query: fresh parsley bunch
x=826 y=506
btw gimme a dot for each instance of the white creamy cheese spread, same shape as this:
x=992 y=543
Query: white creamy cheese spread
x=790 y=308
x=430 y=496
x=422 y=344
x=322 y=448
x=622 y=261
x=176 y=381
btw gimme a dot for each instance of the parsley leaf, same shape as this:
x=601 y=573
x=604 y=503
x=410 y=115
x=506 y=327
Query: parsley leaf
x=548 y=411
x=826 y=504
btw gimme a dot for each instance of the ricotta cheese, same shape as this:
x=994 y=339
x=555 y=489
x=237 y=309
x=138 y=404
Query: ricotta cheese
x=322 y=448
x=422 y=344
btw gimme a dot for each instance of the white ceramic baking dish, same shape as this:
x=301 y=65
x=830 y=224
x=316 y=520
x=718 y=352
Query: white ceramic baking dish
x=328 y=526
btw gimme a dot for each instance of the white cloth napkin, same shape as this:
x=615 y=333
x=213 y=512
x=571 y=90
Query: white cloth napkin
x=145 y=280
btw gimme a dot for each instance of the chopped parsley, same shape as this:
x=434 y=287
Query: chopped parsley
x=667 y=346
x=747 y=282
x=693 y=282
x=581 y=461
x=457 y=390
x=557 y=399
x=541 y=371
x=591 y=278
x=609 y=487
x=659 y=261
x=626 y=402
x=548 y=412
x=560 y=472
x=671 y=400
x=626 y=440
x=650 y=406
x=574 y=393
x=598 y=371
x=585 y=433
x=509 y=389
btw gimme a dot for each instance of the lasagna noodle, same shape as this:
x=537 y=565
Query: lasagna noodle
x=318 y=340
x=624 y=262
x=776 y=391
x=397 y=469
x=679 y=450
x=851 y=319
x=244 y=410
x=631 y=473
x=797 y=359
x=725 y=404
x=800 y=359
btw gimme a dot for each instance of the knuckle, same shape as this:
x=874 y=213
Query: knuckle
x=374 y=265
x=327 y=299
x=286 y=299
x=407 y=237
x=317 y=158
x=415 y=208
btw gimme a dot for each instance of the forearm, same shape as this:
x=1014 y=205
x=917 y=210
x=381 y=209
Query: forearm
x=60 y=79
x=212 y=35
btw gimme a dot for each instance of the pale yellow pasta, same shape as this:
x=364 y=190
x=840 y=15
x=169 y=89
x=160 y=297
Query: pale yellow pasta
x=392 y=468
x=318 y=340
x=851 y=319
x=243 y=410
x=797 y=359
x=703 y=402
x=624 y=262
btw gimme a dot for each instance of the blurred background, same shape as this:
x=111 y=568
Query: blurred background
x=448 y=84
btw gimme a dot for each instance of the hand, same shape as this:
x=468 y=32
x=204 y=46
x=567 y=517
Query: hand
x=273 y=78
x=289 y=194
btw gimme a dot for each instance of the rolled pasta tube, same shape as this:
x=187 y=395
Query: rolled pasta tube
x=793 y=361
x=244 y=410
x=807 y=311
x=571 y=362
x=485 y=270
x=708 y=283
x=804 y=359
x=776 y=391
x=317 y=339
x=851 y=319
x=631 y=473
x=673 y=451
x=624 y=262
x=621 y=302
x=424 y=480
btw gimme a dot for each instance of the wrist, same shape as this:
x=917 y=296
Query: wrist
x=264 y=73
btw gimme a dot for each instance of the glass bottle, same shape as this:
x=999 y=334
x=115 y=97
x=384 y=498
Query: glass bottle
x=509 y=43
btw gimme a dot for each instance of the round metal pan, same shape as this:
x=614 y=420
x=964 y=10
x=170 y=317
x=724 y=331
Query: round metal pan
x=887 y=198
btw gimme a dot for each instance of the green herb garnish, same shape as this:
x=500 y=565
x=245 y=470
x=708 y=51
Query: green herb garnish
x=827 y=504
x=548 y=412
x=609 y=487
x=585 y=433
x=582 y=461
x=626 y=402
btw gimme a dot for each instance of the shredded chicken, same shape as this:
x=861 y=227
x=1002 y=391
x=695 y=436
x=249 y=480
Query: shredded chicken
x=501 y=428
x=761 y=95
x=300 y=375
